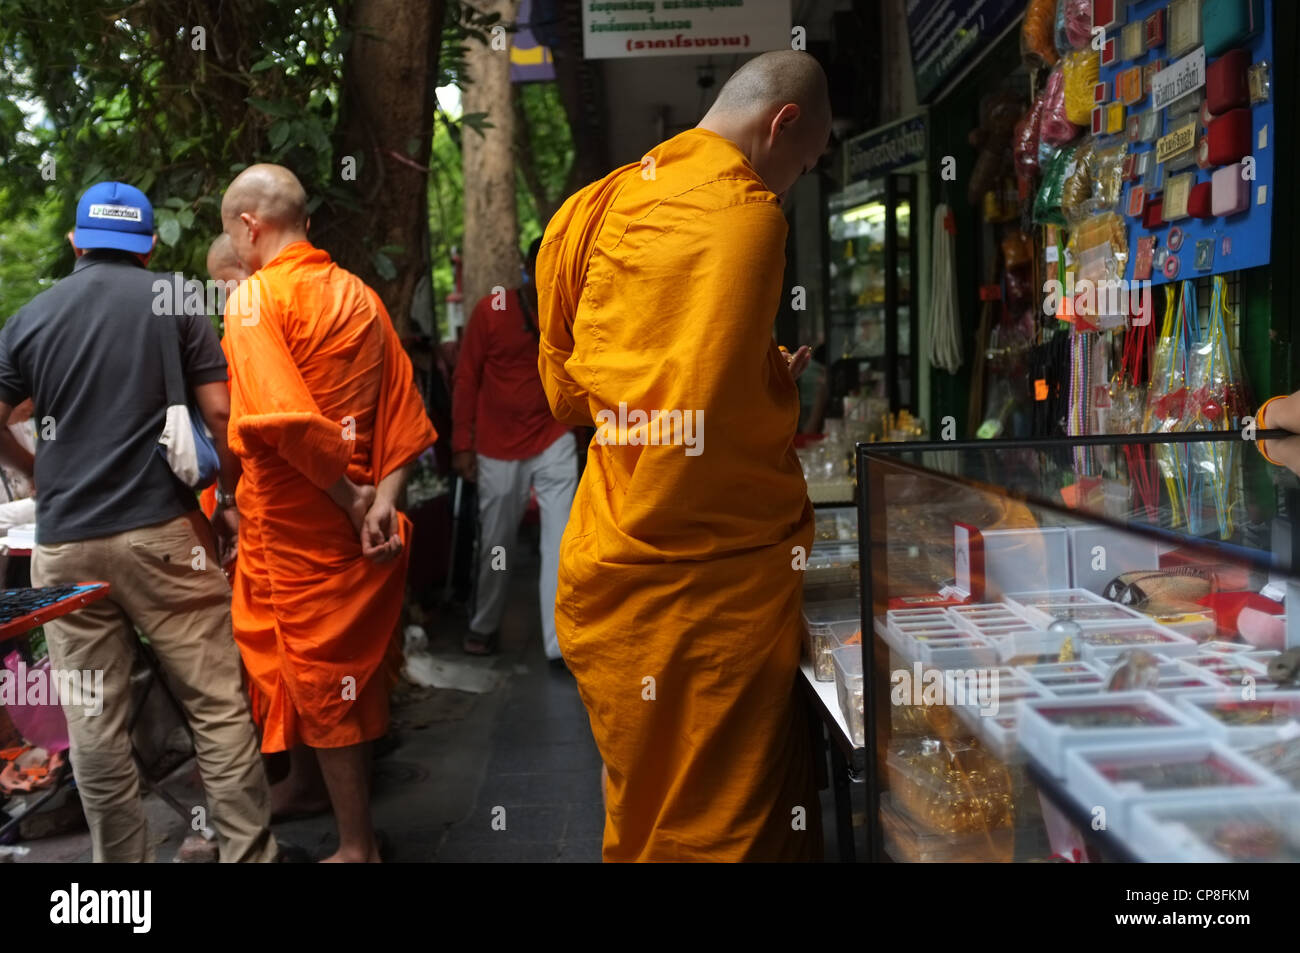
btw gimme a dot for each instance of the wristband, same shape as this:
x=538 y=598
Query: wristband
x=224 y=499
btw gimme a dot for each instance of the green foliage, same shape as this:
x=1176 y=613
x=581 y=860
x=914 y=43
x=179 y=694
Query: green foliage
x=161 y=95
x=120 y=91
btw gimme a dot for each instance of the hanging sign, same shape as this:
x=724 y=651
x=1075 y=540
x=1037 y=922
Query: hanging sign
x=876 y=152
x=630 y=28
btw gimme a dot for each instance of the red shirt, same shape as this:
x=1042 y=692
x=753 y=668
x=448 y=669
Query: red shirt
x=498 y=407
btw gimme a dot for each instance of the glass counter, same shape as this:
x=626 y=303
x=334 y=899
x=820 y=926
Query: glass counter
x=1069 y=643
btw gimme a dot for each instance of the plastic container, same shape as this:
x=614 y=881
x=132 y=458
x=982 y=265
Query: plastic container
x=1109 y=613
x=997 y=730
x=839 y=523
x=829 y=613
x=950 y=787
x=1021 y=601
x=1051 y=727
x=831 y=563
x=909 y=841
x=819 y=642
x=1194 y=625
x=848 y=686
x=1258 y=829
x=1101 y=642
x=1120 y=778
x=1246 y=723
x=1230 y=670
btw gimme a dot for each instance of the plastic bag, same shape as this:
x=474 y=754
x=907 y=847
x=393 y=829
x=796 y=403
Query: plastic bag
x=1026 y=141
x=1047 y=203
x=1081 y=70
x=1073 y=25
x=1055 y=127
x=1037 y=43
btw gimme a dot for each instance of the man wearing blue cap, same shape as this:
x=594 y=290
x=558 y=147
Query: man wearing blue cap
x=89 y=351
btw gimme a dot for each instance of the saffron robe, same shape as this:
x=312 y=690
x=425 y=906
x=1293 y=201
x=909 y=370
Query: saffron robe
x=320 y=387
x=679 y=599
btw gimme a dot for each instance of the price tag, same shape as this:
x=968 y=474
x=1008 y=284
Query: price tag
x=1185 y=76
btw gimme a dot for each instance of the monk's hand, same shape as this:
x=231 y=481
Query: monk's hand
x=225 y=521
x=354 y=499
x=798 y=361
x=380 y=540
x=465 y=462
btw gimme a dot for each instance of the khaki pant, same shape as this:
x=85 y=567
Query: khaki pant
x=185 y=612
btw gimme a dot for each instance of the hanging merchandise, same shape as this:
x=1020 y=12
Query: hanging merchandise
x=1026 y=145
x=993 y=138
x=945 y=333
x=1081 y=70
x=1073 y=24
x=1037 y=44
x=1047 y=204
x=1056 y=128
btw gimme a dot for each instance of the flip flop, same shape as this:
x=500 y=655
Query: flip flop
x=476 y=644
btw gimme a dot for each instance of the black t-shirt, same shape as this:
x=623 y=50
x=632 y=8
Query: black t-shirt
x=87 y=351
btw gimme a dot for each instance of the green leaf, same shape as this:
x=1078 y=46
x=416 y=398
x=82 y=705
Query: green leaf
x=264 y=63
x=169 y=230
x=384 y=266
x=175 y=202
x=186 y=218
x=280 y=109
x=279 y=133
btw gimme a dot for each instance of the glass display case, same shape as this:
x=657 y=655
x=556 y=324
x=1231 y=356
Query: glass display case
x=872 y=328
x=1074 y=648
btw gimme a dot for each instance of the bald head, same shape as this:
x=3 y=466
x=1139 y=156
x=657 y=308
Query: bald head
x=776 y=109
x=223 y=263
x=771 y=80
x=264 y=209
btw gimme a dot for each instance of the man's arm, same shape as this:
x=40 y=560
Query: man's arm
x=12 y=452
x=214 y=405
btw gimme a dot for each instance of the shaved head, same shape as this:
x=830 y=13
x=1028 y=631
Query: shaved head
x=264 y=210
x=223 y=263
x=774 y=79
x=272 y=192
x=775 y=109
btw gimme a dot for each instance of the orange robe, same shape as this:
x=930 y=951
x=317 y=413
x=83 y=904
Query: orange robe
x=661 y=292
x=319 y=387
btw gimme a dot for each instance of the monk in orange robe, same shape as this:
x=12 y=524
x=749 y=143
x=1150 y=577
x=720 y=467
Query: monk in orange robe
x=326 y=421
x=679 y=599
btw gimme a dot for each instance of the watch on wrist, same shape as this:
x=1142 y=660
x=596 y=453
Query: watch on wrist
x=224 y=499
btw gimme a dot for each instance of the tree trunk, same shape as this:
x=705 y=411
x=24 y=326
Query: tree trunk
x=491 y=220
x=386 y=126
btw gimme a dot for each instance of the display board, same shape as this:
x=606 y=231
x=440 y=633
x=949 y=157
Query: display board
x=620 y=28
x=1198 y=190
x=947 y=34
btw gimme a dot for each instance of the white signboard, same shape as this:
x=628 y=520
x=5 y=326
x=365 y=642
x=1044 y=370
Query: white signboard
x=1174 y=82
x=619 y=28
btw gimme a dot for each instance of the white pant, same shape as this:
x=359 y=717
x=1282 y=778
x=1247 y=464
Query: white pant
x=502 y=499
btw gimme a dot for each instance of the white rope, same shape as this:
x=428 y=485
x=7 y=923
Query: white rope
x=945 y=335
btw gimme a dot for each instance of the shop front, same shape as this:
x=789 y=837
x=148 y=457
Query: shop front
x=1067 y=635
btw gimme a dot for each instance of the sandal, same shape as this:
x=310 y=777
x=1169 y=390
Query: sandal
x=477 y=644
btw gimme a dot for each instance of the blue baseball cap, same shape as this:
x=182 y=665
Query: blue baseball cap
x=114 y=215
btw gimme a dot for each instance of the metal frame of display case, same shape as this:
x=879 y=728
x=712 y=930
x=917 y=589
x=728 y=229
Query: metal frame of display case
x=872 y=698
